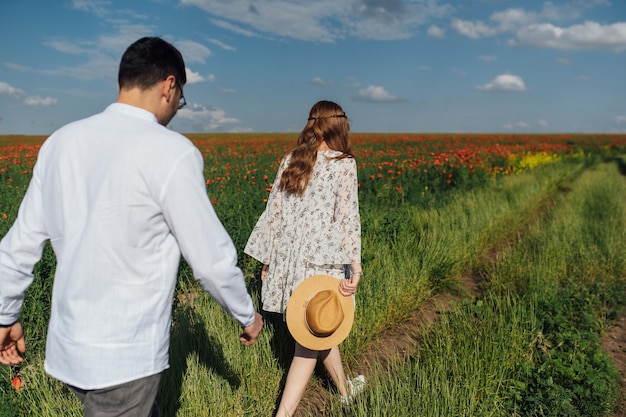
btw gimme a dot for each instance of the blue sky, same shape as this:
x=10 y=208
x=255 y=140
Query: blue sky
x=393 y=65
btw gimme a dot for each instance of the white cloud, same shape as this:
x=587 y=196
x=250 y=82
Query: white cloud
x=473 y=30
x=620 y=119
x=100 y=56
x=436 y=32
x=387 y=19
x=194 y=77
x=18 y=67
x=15 y=92
x=234 y=28
x=323 y=20
x=68 y=47
x=508 y=20
x=6 y=88
x=228 y=90
x=209 y=118
x=193 y=52
x=123 y=34
x=424 y=68
x=542 y=123
x=98 y=7
x=589 y=35
x=517 y=125
x=96 y=67
x=222 y=45
x=504 y=82
x=512 y=19
x=375 y=93
x=319 y=81
x=487 y=58
x=534 y=28
x=569 y=10
x=37 y=101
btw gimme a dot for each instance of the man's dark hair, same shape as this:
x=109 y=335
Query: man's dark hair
x=148 y=61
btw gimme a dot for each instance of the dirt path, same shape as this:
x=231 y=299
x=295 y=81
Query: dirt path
x=614 y=342
x=403 y=341
x=399 y=343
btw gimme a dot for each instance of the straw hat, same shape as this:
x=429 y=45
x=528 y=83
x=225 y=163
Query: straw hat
x=318 y=316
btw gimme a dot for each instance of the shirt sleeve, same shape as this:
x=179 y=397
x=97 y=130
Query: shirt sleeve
x=269 y=225
x=347 y=215
x=20 y=250
x=204 y=242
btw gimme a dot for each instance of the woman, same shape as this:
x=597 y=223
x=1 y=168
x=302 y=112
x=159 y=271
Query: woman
x=311 y=226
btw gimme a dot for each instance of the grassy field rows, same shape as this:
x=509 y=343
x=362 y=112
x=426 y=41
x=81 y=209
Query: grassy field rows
x=490 y=233
x=502 y=353
x=485 y=296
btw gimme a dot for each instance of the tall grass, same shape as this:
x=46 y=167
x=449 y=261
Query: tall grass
x=429 y=248
x=571 y=270
x=463 y=368
x=529 y=345
x=468 y=365
x=211 y=373
x=401 y=273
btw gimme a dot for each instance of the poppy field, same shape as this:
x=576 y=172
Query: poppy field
x=521 y=235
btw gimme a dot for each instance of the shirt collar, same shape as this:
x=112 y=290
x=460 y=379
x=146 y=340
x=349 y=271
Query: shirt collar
x=132 y=111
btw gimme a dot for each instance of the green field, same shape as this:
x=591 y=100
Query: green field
x=493 y=266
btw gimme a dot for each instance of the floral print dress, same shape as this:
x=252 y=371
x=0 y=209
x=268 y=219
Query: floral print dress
x=318 y=232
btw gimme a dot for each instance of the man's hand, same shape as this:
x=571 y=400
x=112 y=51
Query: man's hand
x=251 y=332
x=12 y=341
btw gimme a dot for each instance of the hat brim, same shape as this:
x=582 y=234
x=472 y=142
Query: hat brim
x=296 y=308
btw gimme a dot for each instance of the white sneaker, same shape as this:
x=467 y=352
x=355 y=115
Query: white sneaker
x=355 y=387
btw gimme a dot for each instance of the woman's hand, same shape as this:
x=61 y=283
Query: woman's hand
x=264 y=272
x=349 y=286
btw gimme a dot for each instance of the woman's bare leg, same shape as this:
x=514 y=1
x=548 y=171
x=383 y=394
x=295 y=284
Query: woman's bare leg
x=300 y=371
x=332 y=362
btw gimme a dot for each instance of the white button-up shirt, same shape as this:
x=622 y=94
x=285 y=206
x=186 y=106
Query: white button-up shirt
x=120 y=198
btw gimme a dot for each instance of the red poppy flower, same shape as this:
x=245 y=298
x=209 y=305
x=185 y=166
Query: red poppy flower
x=16 y=382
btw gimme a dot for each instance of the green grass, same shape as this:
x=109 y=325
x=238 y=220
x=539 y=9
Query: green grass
x=429 y=248
x=558 y=234
x=463 y=367
x=529 y=345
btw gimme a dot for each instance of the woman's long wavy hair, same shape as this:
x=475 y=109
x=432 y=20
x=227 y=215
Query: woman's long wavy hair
x=327 y=123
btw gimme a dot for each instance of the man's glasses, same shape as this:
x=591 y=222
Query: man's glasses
x=182 y=102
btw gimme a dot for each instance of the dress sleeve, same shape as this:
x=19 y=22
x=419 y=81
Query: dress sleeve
x=347 y=215
x=269 y=225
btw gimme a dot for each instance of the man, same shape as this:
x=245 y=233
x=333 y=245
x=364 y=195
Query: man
x=120 y=197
